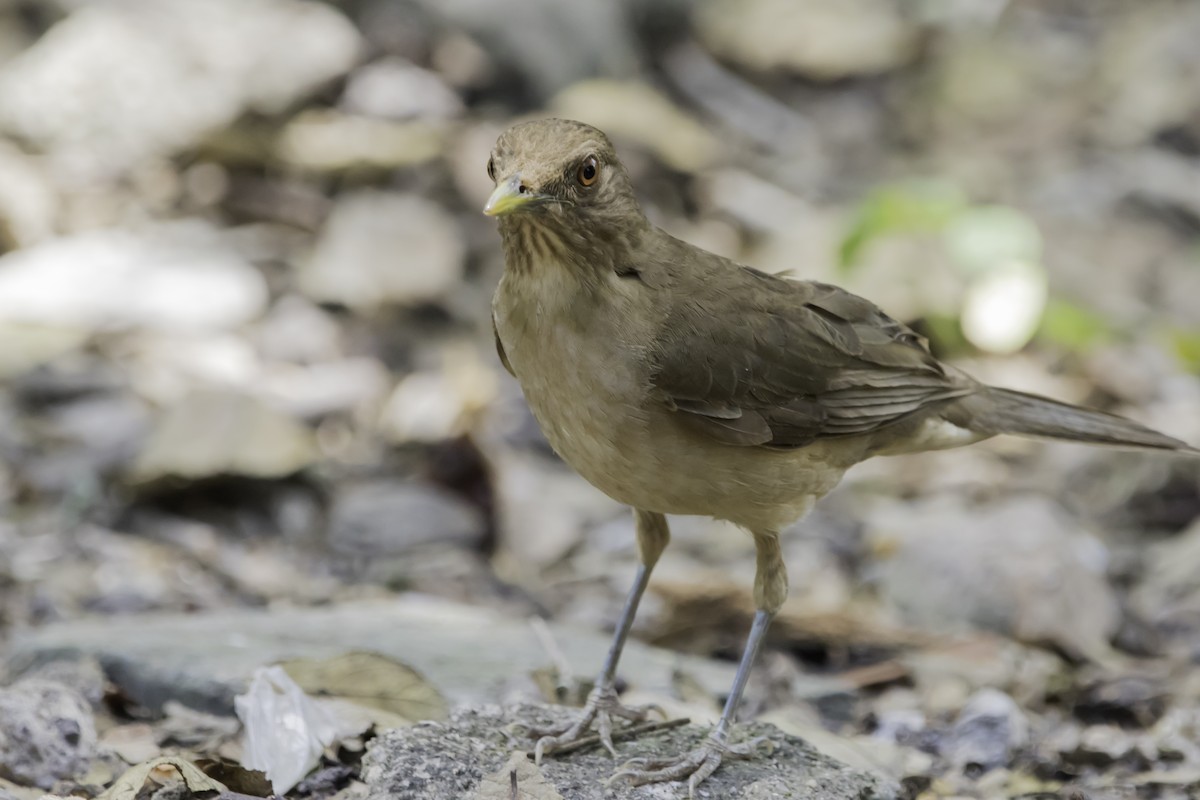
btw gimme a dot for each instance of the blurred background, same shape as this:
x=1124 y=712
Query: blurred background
x=246 y=357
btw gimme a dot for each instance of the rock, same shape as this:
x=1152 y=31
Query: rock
x=393 y=88
x=330 y=141
x=1102 y=745
x=1134 y=700
x=28 y=205
x=30 y=346
x=990 y=729
x=1168 y=593
x=432 y=405
x=296 y=330
x=550 y=44
x=380 y=248
x=84 y=675
x=389 y=518
x=215 y=432
x=83 y=90
x=46 y=733
x=350 y=386
x=1147 y=76
x=468 y=652
x=452 y=759
x=636 y=111
x=1017 y=566
x=180 y=276
x=820 y=39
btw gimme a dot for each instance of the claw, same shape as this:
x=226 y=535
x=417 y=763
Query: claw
x=602 y=705
x=694 y=766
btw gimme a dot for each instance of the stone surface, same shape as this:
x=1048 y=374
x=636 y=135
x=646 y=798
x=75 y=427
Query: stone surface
x=218 y=432
x=203 y=660
x=388 y=518
x=46 y=733
x=1018 y=566
x=821 y=39
x=177 y=276
x=84 y=91
x=988 y=731
x=440 y=760
x=393 y=88
x=379 y=248
x=549 y=43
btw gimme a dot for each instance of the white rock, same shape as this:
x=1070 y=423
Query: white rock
x=1019 y=566
x=116 y=82
x=220 y=432
x=821 y=39
x=431 y=405
x=393 y=88
x=639 y=112
x=379 y=248
x=28 y=204
x=172 y=277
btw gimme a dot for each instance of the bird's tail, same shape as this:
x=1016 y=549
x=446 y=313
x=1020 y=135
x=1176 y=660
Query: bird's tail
x=993 y=411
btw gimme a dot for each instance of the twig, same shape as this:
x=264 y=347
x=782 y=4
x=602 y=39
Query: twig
x=512 y=785
x=624 y=733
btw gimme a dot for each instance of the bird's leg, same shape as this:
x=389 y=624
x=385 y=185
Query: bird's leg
x=770 y=590
x=602 y=704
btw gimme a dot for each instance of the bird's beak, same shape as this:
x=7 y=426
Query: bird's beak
x=511 y=196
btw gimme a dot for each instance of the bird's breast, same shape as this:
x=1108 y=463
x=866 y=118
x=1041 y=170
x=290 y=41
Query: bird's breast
x=586 y=383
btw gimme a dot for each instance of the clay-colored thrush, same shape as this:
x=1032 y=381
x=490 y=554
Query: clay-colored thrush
x=679 y=382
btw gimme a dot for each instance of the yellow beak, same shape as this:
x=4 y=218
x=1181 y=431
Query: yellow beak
x=510 y=196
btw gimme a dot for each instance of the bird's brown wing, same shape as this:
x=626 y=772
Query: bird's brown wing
x=500 y=349
x=752 y=359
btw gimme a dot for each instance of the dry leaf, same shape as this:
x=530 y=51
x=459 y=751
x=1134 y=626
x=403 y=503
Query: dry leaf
x=129 y=784
x=239 y=779
x=134 y=743
x=531 y=784
x=371 y=680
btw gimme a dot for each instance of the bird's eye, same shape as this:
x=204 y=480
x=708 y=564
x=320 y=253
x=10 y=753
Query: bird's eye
x=491 y=168
x=589 y=170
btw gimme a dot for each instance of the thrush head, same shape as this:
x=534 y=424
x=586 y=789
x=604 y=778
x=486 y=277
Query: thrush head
x=563 y=178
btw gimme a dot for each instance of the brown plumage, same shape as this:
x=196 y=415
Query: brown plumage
x=680 y=382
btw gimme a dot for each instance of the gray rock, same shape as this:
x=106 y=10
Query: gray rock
x=84 y=675
x=379 y=248
x=181 y=276
x=83 y=90
x=820 y=39
x=988 y=731
x=1018 y=566
x=385 y=518
x=203 y=660
x=551 y=44
x=441 y=760
x=217 y=432
x=393 y=88
x=47 y=733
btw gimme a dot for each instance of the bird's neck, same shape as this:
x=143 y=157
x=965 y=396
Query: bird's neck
x=536 y=245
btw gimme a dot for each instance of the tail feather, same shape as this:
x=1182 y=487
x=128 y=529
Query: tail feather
x=994 y=411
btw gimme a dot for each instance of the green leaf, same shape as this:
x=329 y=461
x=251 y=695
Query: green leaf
x=908 y=207
x=1073 y=327
x=1186 y=344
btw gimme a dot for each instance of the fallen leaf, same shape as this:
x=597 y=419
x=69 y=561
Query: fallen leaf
x=239 y=779
x=128 y=785
x=371 y=680
x=520 y=772
x=135 y=743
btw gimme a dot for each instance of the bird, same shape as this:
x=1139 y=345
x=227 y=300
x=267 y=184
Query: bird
x=677 y=381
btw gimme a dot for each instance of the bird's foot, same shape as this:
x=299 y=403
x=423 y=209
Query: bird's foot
x=694 y=766
x=602 y=705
